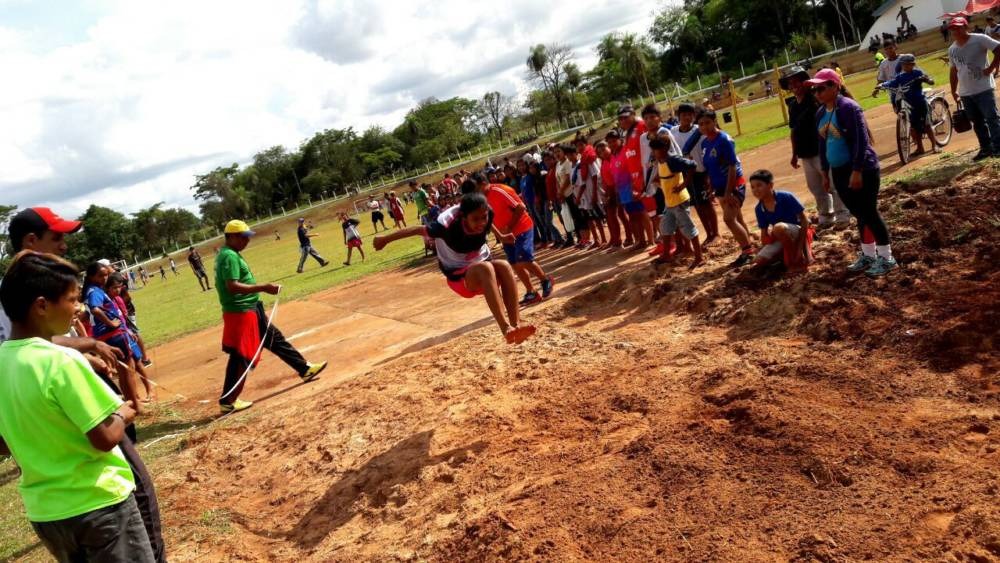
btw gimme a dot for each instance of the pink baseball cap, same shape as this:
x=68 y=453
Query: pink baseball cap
x=958 y=22
x=823 y=76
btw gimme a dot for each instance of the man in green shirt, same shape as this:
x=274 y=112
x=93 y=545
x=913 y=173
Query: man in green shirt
x=244 y=323
x=62 y=424
x=422 y=200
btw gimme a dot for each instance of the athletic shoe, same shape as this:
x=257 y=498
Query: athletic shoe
x=861 y=264
x=236 y=406
x=324 y=263
x=658 y=250
x=313 y=371
x=531 y=298
x=744 y=259
x=567 y=244
x=548 y=284
x=981 y=155
x=881 y=267
x=147 y=363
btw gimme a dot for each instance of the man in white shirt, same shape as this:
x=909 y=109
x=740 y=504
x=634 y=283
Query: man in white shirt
x=973 y=85
x=888 y=68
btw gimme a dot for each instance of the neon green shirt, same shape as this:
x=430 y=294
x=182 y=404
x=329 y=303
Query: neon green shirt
x=49 y=399
x=229 y=265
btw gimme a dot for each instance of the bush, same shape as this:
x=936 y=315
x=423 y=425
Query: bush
x=801 y=45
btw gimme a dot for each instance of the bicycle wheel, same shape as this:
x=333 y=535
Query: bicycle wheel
x=940 y=117
x=903 y=139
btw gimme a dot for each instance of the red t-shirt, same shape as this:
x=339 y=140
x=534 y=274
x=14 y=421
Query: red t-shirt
x=633 y=156
x=551 y=187
x=504 y=200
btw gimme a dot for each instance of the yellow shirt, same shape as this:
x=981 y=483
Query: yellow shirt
x=669 y=182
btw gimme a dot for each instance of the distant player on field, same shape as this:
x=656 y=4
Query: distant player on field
x=194 y=259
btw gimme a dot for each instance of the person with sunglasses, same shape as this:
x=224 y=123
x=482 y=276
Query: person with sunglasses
x=850 y=163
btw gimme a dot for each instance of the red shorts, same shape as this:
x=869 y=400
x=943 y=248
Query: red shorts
x=354 y=243
x=459 y=287
x=241 y=333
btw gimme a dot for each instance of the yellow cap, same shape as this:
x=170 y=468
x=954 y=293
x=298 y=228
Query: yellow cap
x=237 y=227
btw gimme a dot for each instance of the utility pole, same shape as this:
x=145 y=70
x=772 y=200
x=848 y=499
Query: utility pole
x=715 y=54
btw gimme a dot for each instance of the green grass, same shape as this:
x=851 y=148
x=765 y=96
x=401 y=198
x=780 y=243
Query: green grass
x=167 y=309
x=762 y=122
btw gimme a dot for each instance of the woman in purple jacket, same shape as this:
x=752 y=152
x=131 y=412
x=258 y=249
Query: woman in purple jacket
x=849 y=160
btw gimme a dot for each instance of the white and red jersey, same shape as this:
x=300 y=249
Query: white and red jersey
x=456 y=249
x=633 y=155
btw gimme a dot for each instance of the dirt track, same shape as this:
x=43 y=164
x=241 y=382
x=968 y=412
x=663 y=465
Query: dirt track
x=657 y=415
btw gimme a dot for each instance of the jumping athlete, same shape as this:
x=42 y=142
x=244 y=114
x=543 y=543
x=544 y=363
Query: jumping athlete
x=244 y=324
x=459 y=233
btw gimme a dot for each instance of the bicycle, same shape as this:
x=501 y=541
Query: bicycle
x=938 y=117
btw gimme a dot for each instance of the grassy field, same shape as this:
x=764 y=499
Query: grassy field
x=176 y=306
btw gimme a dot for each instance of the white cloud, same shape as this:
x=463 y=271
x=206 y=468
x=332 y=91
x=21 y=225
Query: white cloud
x=125 y=110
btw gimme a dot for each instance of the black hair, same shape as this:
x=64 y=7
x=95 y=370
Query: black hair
x=658 y=144
x=17 y=235
x=568 y=149
x=614 y=134
x=480 y=178
x=116 y=278
x=32 y=275
x=705 y=112
x=469 y=187
x=472 y=202
x=686 y=108
x=600 y=144
x=547 y=154
x=763 y=176
x=91 y=270
x=650 y=109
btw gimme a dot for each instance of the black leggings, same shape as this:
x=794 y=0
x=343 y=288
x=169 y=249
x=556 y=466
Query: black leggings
x=863 y=202
x=273 y=341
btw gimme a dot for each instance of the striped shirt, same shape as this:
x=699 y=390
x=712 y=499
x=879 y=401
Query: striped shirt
x=456 y=249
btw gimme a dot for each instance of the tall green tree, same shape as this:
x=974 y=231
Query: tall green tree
x=107 y=234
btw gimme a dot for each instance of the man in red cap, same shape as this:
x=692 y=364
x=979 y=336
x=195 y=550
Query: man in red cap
x=973 y=85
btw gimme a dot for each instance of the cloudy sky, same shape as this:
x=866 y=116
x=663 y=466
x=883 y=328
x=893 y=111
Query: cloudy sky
x=120 y=103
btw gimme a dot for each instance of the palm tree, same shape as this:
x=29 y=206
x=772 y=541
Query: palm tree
x=573 y=79
x=537 y=59
x=634 y=58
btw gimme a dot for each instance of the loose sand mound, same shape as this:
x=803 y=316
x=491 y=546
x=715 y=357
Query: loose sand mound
x=662 y=415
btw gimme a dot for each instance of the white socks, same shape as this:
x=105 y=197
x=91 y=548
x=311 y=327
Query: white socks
x=884 y=251
x=868 y=249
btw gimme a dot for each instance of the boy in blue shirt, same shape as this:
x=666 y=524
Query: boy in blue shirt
x=784 y=228
x=910 y=83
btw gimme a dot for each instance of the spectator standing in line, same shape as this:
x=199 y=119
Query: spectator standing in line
x=852 y=167
x=802 y=109
x=305 y=246
x=973 y=85
x=888 y=69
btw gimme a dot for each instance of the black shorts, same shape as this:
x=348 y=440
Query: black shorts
x=700 y=192
x=377 y=217
x=918 y=117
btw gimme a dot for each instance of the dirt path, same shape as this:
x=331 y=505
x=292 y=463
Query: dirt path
x=657 y=415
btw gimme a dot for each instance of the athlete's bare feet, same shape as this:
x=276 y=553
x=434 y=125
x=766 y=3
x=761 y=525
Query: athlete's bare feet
x=517 y=335
x=709 y=240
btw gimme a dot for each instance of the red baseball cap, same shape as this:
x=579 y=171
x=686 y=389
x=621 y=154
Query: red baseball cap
x=958 y=22
x=38 y=220
x=825 y=75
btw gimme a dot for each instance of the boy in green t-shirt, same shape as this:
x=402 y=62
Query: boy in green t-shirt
x=62 y=424
x=244 y=323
